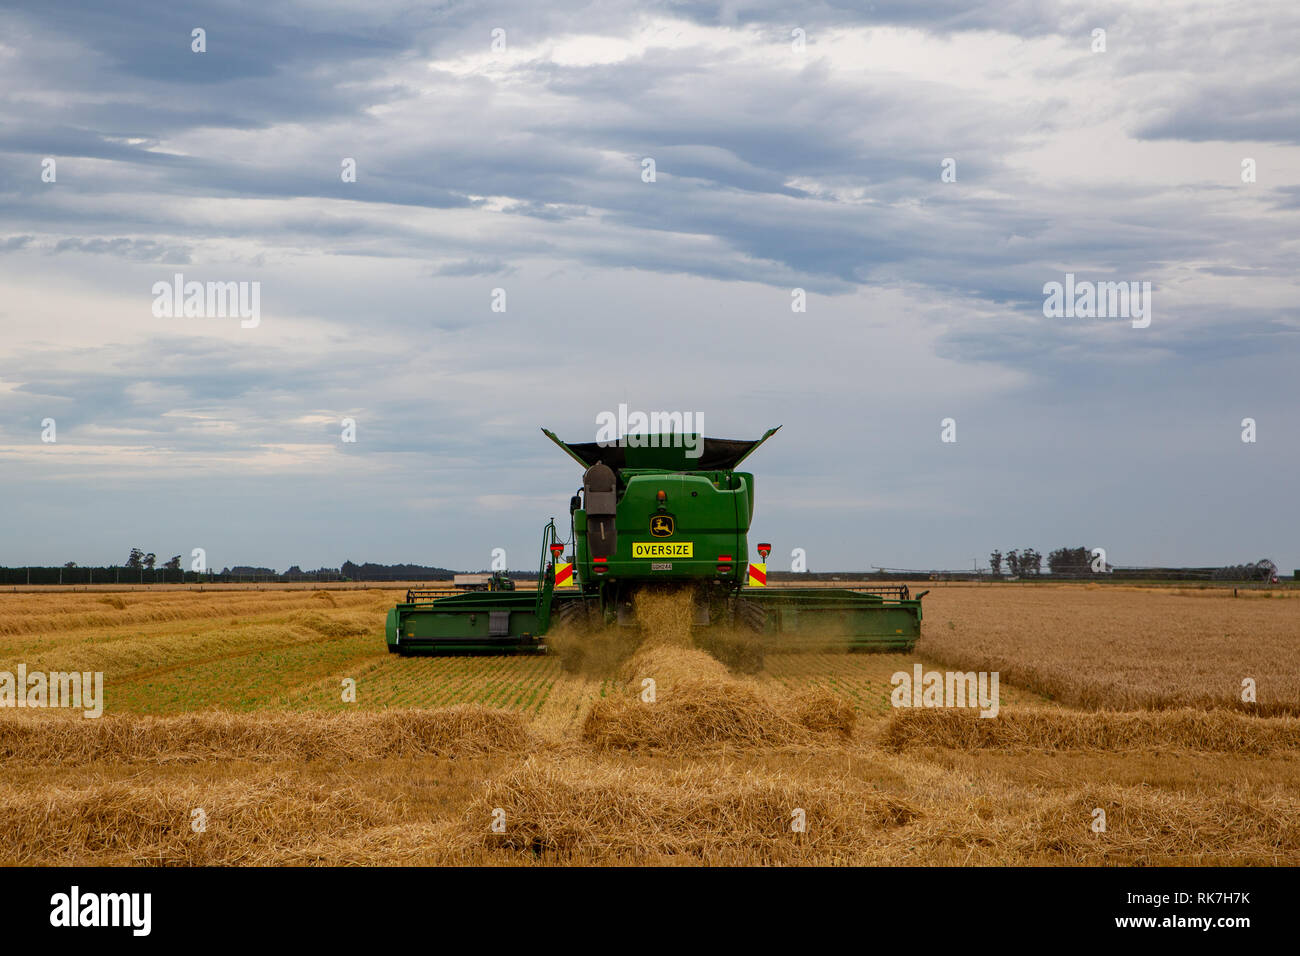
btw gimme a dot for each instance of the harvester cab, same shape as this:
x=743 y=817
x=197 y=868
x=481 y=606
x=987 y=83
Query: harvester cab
x=656 y=511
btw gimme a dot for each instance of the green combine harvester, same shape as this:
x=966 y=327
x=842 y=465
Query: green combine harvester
x=671 y=510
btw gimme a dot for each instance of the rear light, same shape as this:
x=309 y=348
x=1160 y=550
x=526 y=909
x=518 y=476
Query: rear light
x=600 y=560
x=724 y=568
x=600 y=569
x=724 y=557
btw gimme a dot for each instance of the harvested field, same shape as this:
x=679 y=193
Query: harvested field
x=455 y=731
x=233 y=703
x=863 y=679
x=1220 y=731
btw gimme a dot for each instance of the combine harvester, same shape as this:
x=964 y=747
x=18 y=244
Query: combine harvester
x=652 y=516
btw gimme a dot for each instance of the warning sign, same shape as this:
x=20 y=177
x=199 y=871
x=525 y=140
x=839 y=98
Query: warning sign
x=563 y=575
x=758 y=575
x=658 y=549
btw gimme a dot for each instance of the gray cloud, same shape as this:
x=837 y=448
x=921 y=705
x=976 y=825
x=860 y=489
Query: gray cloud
x=473 y=267
x=524 y=171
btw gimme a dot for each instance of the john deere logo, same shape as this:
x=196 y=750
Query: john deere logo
x=661 y=526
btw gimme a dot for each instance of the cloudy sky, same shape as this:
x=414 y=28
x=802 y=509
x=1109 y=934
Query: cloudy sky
x=782 y=161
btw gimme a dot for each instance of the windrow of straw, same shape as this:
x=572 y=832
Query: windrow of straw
x=348 y=625
x=273 y=819
x=467 y=730
x=1142 y=826
x=681 y=699
x=670 y=667
x=693 y=702
x=572 y=808
x=130 y=652
x=666 y=617
x=62 y=612
x=1109 y=731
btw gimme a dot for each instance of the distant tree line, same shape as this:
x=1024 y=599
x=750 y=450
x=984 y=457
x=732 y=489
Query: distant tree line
x=393 y=572
x=72 y=573
x=1019 y=563
x=1076 y=562
x=142 y=567
x=1261 y=570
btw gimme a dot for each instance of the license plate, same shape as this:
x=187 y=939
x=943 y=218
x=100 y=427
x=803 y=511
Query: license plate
x=659 y=549
x=661 y=567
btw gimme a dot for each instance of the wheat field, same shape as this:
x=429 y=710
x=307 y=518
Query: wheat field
x=231 y=706
x=1117 y=647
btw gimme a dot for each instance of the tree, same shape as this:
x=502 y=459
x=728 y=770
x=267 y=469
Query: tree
x=70 y=564
x=173 y=563
x=1021 y=563
x=995 y=563
x=136 y=559
x=1262 y=570
x=150 y=560
x=1070 y=561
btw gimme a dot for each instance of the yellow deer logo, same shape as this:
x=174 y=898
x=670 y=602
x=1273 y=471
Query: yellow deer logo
x=661 y=526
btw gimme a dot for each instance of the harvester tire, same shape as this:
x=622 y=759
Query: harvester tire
x=751 y=614
x=572 y=614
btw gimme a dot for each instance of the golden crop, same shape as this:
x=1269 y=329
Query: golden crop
x=233 y=702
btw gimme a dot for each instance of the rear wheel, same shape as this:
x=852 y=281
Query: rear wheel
x=571 y=614
x=751 y=614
